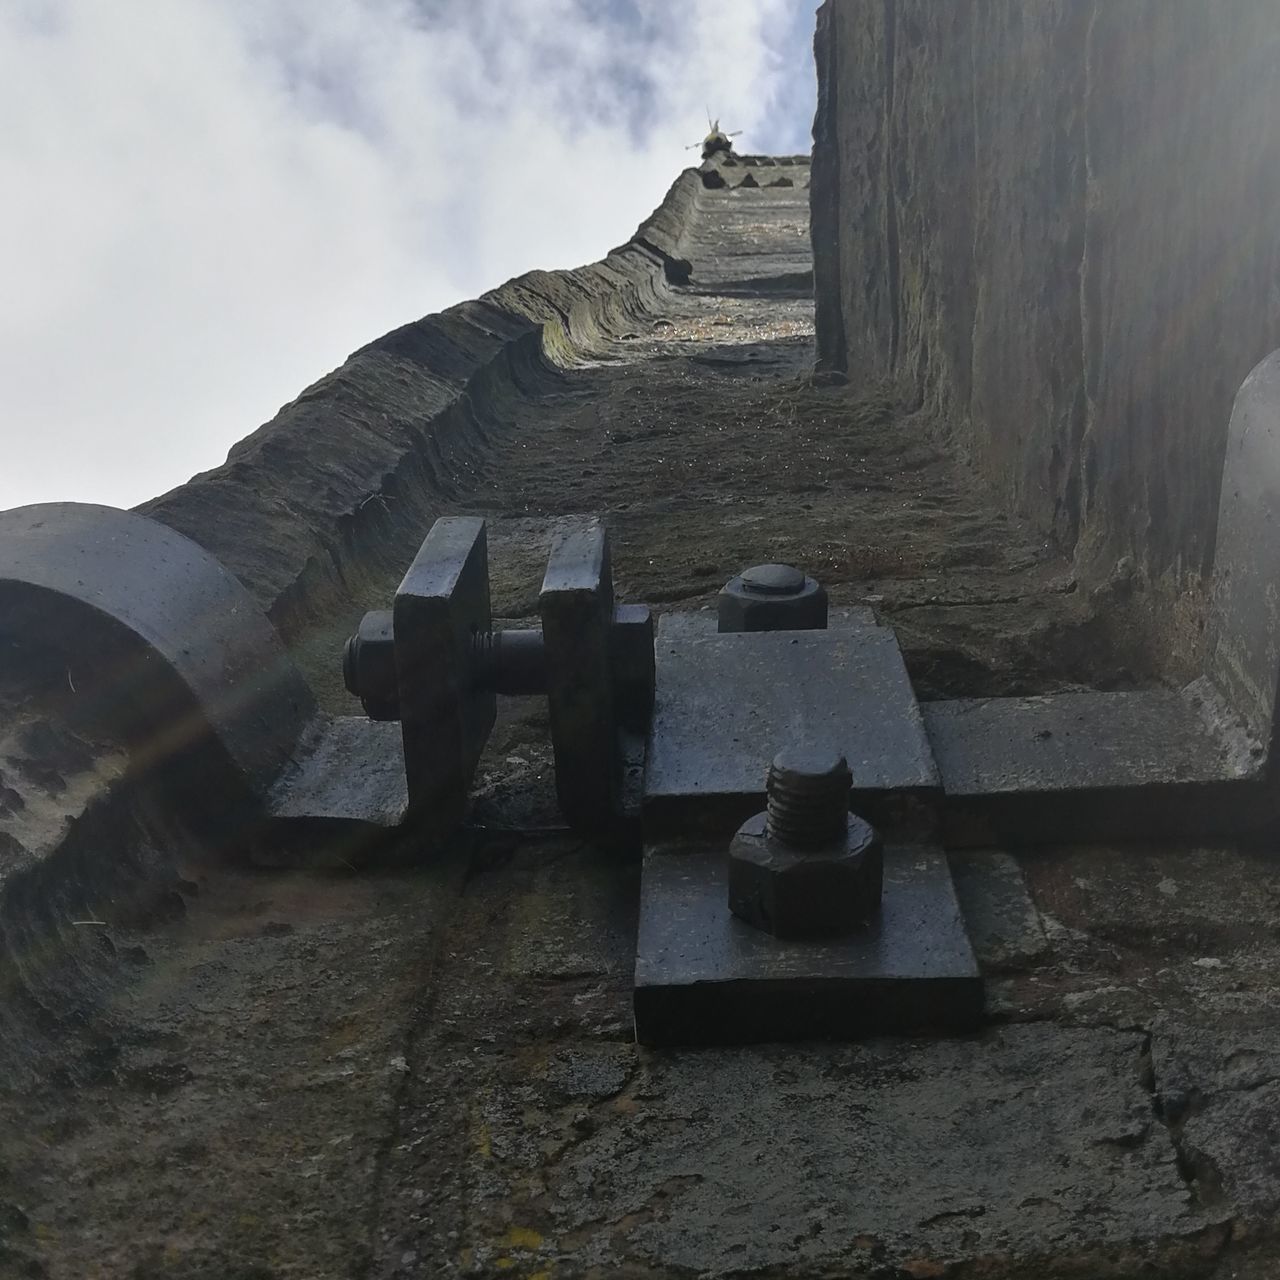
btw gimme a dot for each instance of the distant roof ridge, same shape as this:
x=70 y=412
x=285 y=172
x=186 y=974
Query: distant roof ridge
x=719 y=171
x=732 y=158
x=798 y=158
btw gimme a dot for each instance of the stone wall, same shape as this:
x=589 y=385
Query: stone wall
x=1055 y=221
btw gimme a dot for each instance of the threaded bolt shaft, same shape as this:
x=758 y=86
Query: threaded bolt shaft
x=509 y=662
x=808 y=797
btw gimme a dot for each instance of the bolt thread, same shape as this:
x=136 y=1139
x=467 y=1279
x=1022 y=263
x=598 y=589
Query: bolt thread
x=808 y=809
x=509 y=662
x=484 y=656
x=351 y=666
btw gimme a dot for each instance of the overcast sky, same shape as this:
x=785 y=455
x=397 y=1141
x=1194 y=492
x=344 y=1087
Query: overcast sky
x=211 y=203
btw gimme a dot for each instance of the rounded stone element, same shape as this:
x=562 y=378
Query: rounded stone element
x=772 y=597
x=807 y=867
x=369 y=666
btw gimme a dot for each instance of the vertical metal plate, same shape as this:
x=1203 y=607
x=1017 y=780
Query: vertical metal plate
x=442 y=604
x=576 y=604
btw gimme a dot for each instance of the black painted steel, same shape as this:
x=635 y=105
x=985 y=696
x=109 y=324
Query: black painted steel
x=772 y=597
x=512 y=663
x=1151 y=763
x=631 y=657
x=577 y=610
x=726 y=704
x=369 y=666
x=594 y=662
x=705 y=977
x=343 y=798
x=792 y=892
x=807 y=796
x=442 y=604
x=806 y=867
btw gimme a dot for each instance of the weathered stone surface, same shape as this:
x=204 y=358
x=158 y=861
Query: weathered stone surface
x=1136 y=933
x=1003 y=924
x=1054 y=222
x=533 y=1137
x=80 y=848
x=1218 y=1088
x=833 y=1160
x=230 y=1117
x=352 y=473
x=574 y=922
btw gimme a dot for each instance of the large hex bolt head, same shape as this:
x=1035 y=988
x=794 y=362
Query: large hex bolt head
x=369 y=666
x=806 y=868
x=772 y=597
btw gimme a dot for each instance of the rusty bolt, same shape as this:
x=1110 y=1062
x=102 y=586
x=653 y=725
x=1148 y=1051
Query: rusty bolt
x=806 y=867
x=772 y=597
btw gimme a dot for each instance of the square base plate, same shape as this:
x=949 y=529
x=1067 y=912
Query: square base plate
x=704 y=977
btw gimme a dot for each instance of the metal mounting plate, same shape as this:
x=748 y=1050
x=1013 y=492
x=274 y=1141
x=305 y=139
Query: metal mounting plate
x=704 y=977
x=1081 y=742
x=727 y=703
x=576 y=604
x=441 y=605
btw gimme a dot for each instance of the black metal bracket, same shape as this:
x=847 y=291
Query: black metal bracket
x=435 y=663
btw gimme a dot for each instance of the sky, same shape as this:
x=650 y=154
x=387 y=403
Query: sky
x=209 y=204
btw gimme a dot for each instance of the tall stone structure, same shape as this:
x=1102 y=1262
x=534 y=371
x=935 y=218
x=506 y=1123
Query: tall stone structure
x=226 y=1057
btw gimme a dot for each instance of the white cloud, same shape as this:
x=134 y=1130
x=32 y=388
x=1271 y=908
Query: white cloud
x=210 y=203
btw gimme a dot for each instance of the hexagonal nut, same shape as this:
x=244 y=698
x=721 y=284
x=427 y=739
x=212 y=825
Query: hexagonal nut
x=771 y=597
x=369 y=666
x=793 y=893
